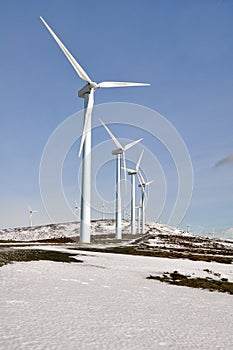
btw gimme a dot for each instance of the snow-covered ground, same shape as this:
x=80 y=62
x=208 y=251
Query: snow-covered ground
x=71 y=229
x=107 y=303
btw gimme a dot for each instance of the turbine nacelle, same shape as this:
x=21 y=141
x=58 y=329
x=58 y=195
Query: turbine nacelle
x=87 y=89
x=131 y=172
x=143 y=185
x=117 y=151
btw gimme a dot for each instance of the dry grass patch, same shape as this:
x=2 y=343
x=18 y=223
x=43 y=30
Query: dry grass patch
x=176 y=278
x=9 y=255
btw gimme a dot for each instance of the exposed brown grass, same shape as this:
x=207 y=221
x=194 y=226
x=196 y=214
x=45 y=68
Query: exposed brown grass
x=160 y=253
x=9 y=255
x=176 y=278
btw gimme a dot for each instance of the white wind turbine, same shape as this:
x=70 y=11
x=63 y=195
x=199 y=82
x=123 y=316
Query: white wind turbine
x=76 y=209
x=133 y=173
x=87 y=92
x=31 y=212
x=103 y=210
x=120 y=151
x=143 y=186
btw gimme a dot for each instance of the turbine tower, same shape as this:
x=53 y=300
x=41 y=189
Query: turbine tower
x=143 y=186
x=87 y=92
x=31 y=212
x=133 y=173
x=139 y=207
x=120 y=151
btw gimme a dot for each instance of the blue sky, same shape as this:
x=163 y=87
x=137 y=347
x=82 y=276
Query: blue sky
x=183 y=48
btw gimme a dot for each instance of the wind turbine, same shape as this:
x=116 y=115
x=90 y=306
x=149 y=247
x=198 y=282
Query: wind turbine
x=143 y=186
x=76 y=209
x=31 y=212
x=87 y=92
x=120 y=151
x=133 y=173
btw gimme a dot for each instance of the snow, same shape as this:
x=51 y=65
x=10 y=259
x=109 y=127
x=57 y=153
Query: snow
x=165 y=230
x=70 y=229
x=40 y=232
x=107 y=303
x=98 y=227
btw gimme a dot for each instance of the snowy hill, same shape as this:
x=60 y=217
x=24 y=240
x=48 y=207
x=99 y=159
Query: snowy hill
x=71 y=230
x=159 y=239
x=165 y=241
x=56 y=231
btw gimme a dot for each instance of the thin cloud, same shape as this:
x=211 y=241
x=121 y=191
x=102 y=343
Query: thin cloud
x=224 y=161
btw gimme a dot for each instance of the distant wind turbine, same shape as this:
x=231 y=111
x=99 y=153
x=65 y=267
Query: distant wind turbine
x=76 y=209
x=31 y=212
x=120 y=151
x=143 y=186
x=87 y=92
x=133 y=173
x=103 y=210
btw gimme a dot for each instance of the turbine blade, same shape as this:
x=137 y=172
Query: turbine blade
x=131 y=144
x=139 y=161
x=149 y=182
x=29 y=207
x=117 y=143
x=81 y=72
x=111 y=84
x=140 y=174
x=87 y=118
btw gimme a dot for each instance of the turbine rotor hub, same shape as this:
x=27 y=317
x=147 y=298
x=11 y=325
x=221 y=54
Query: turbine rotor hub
x=94 y=85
